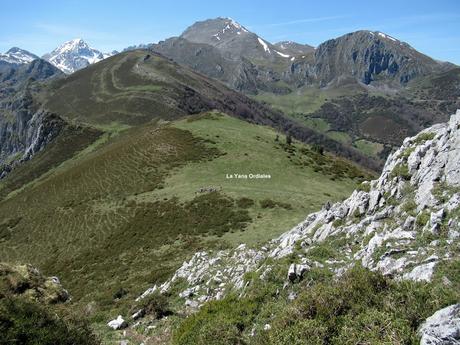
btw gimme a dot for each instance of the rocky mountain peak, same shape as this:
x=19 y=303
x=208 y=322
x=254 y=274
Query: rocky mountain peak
x=371 y=56
x=213 y=31
x=74 y=55
x=17 y=56
x=232 y=39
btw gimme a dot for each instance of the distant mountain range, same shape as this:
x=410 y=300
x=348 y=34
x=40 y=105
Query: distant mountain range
x=69 y=57
x=364 y=90
x=249 y=63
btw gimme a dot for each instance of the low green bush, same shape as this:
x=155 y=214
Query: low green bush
x=26 y=322
x=155 y=304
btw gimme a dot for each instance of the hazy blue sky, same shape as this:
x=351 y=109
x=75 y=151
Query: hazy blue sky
x=433 y=27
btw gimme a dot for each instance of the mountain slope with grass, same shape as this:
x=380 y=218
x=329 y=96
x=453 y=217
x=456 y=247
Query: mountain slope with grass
x=381 y=266
x=125 y=211
x=136 y=87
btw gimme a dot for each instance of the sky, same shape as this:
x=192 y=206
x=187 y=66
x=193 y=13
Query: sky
x=432 y=27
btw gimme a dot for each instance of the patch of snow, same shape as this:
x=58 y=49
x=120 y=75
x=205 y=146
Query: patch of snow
x=237 y=26
x=381 y=34
x=263 y=44
x=281 y=54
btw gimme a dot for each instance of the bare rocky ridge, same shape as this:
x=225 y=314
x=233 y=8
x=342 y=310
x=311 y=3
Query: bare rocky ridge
x=403 y=224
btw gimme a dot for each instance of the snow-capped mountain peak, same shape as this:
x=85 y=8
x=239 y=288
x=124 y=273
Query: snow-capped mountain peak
x=74 y=55
x=17 y=56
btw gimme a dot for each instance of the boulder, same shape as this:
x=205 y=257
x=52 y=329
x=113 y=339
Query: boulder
x=442 y=328
x=118 y=323
x=436 y=217
x=296 y=271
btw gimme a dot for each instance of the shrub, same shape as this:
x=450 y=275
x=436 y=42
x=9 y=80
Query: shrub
x=268 y=203
x=360 y=307
x=217 y=321
x=373 y=327
x=401 y=170
x=422 y=218
x=364 y=186
x=318 y=149
x=155 y=304
x=26 y=322
x=409 y=207
x=298 y=333
x=424 y=137
x=245 y=202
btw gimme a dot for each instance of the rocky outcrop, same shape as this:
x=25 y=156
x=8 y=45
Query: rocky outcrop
x=403 y=224
x=28 y=282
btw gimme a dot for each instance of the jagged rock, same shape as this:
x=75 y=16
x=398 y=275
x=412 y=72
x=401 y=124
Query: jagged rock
x=374 y=199
x=138 y=314
x=421 y=273
x=118 y=323
x=436 y=217
x=296 y=271
x=442 y=328
x=409 y=223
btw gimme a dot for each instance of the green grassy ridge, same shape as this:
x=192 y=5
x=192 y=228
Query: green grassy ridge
x=299 y=176
x=125 y=211
x=79 y=208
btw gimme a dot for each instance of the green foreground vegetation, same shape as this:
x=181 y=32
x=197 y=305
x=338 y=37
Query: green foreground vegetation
x=361 y=307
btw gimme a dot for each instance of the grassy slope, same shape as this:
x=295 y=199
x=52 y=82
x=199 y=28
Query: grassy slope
x=252 y=149
x=123 y=213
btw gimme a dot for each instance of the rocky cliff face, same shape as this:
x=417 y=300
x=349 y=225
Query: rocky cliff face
x=25 y=129
x=371 y=57
x=404 y=224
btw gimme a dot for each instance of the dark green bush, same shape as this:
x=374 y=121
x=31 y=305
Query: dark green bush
x=155 y=304
x=25 y=322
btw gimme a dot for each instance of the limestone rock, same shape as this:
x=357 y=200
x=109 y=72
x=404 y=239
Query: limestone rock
x=118 y=323
x=442 y=328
